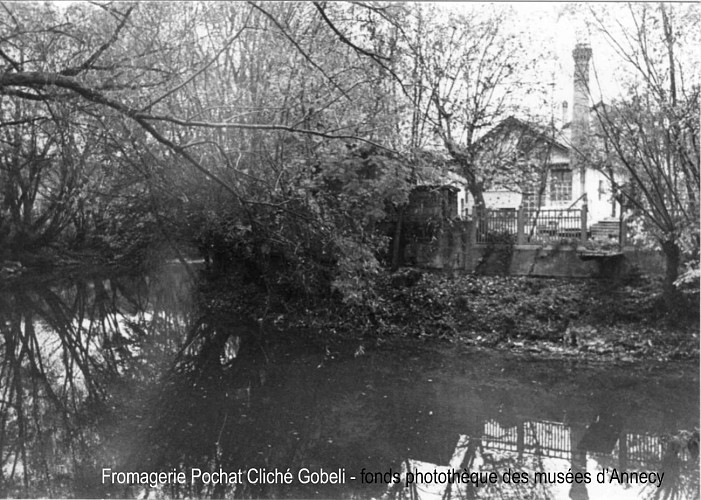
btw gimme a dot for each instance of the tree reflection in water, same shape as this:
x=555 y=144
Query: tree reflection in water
x=69 y=348
x=123 y=372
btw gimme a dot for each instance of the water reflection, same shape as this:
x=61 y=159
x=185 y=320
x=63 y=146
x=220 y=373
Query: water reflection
x=539 y=459
x=125 y=373
x=70 y=350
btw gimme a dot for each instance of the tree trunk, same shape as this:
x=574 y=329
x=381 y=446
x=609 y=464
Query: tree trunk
x=672 y=254
x=478 y=195
x=479 y=208
x=396 y=240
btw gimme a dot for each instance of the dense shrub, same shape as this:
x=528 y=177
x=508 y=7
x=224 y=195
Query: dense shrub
x=498 y=310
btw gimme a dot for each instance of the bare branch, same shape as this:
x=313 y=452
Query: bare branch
x=259 y=126
x=101 y=50
x=40 y=80
x=373 y=55
x=299 y=48
x=12 y=62
x=194 y=75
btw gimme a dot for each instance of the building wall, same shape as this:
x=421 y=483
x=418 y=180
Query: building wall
x=496 y=199
x=454 y=250
x=599 y=196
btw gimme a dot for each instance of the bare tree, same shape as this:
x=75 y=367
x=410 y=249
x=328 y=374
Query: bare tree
x=472 y=69
x=651 y=136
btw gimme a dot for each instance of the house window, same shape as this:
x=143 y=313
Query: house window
x=561 y=184
x=529 y=196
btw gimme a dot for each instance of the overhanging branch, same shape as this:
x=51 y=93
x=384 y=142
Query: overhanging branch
x=39 y=80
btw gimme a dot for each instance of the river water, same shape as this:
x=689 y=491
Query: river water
x=107 y=380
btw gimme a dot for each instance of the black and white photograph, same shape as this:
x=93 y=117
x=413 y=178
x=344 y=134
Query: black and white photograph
x=350 y=250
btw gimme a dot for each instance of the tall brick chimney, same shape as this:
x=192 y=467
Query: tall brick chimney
x=580 y=111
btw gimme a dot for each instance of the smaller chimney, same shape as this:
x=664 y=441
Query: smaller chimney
x=565 y=115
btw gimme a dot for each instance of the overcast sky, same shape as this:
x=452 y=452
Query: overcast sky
x=553 y=29
x=559 y=27
x=559 y=24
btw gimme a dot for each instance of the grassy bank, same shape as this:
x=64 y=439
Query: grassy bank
x=555 y=317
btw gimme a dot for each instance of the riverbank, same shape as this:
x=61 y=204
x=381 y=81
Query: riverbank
x=548 y=318
x=553 y=318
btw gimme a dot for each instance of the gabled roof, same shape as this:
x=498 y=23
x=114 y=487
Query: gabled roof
x=528 y=132
x=440 y=177
x=441 y=171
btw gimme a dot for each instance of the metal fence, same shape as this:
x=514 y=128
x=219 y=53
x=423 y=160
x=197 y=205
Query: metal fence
x=546 y=226
x=529 y=226
x=554 y=439
x=551 y=439
x=494 y=225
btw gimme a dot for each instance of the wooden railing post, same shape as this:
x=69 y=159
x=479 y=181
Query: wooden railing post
x=482 y=221
x=520 y=223
x=583 y=235
x=473 y=228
